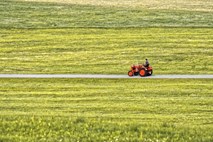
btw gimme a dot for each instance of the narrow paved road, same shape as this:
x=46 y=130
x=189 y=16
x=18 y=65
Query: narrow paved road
x=99 y=76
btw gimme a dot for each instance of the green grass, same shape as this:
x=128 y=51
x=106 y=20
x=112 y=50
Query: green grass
x=39 y=37
x=16 y=14
x=106 y=38
x=106 y=51
x=106 y=110
x=190 y=5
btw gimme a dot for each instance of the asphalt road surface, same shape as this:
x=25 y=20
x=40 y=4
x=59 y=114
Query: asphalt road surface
x=101 y=76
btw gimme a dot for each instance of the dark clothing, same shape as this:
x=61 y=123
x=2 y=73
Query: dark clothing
x=146 y=63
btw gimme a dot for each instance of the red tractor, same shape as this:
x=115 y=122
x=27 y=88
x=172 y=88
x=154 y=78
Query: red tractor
x=140 y=70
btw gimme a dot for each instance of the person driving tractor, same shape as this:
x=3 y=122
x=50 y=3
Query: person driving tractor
x=146 y=63
x=141 y=69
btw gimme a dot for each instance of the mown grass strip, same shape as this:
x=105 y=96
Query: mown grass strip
x=18 y=14
x=106 y=109
x=106 y=51
x=192 y=5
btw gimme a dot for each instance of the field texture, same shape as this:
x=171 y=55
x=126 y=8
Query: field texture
x=106 y=37
x=18 y=14
x=189 y=5
x=106 y=51
x=78 y=37
x=106 y=110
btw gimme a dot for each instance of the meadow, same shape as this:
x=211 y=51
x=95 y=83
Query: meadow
x=189 y=5
x=93 y=38
x=106 y=110
x=77 y=38
x=106 y=51
x=106 y=37
x=20 y=14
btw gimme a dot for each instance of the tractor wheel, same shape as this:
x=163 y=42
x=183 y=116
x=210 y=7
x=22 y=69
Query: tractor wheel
x=130 y=73
x=142 y=72
x=149 y=73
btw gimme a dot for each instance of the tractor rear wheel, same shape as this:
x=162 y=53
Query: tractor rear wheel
x=142 y=72
x=130 y=73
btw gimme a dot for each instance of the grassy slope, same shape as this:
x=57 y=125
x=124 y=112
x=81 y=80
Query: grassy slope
x=43 y=38
x=99 y=50
x=189 y=5
x=100 y=109
x=49 y=15
x=107 y=51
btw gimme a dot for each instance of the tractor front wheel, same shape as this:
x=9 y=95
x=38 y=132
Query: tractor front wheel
x=130 y=73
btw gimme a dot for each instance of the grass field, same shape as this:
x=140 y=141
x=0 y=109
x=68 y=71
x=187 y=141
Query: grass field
x=189 y=5
x=106 y=37
x=18 y=14
x=61 y=38
x=106 y=51
x=106 y=110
